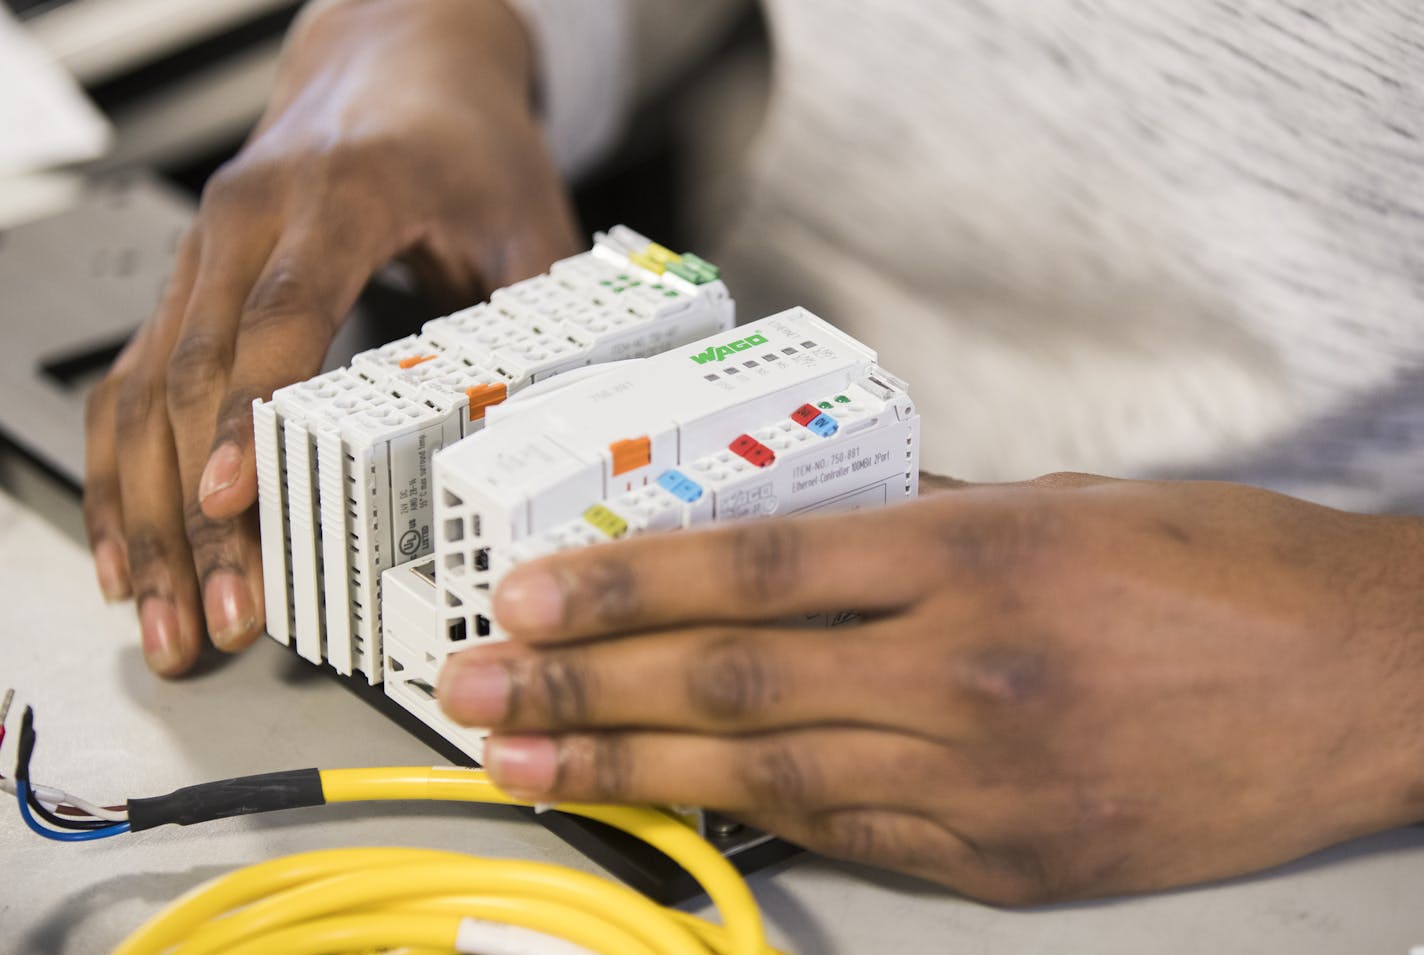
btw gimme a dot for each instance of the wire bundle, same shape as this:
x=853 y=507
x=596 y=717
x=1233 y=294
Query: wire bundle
x=416 y=900
x=72 y=819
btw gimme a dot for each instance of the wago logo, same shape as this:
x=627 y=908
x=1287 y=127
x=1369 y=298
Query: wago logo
x=719 y=352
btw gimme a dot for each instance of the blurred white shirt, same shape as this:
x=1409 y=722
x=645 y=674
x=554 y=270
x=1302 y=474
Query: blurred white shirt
x=1128 y=236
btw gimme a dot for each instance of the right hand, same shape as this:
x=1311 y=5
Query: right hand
x=399 y=129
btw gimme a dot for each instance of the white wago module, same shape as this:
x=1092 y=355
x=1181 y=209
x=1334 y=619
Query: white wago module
x=344 y=459
x=782 y=416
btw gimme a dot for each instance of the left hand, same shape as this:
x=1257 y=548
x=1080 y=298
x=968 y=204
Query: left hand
x=1071 y=687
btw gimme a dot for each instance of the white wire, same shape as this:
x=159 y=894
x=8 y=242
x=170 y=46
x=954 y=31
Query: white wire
x=98 y=812
x=52 y=797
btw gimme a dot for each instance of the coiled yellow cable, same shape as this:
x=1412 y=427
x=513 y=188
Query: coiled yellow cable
x=360 y=900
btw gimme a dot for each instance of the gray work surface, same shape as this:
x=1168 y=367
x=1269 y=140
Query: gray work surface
x=108 y=730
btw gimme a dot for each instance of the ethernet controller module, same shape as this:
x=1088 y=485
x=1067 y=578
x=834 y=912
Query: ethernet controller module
x=607 y=398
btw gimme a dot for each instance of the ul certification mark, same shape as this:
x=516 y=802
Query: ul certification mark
x=409 y=542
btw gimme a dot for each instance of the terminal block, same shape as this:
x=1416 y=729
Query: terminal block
x=345 y=460
x=786 y=415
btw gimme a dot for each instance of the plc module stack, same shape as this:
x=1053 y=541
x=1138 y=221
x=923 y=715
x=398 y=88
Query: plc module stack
x=608 y=398
x=344 y=459
x=783 y=416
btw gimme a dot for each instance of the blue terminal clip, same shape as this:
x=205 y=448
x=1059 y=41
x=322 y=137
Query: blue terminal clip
x=680 y=485
x=824 y=425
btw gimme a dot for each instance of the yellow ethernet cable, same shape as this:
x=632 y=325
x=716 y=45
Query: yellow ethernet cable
x=427 y=900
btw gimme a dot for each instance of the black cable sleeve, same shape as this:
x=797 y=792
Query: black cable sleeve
x=291 y=789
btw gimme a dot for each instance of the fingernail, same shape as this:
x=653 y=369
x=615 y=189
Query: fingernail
x=228 y=607
x=159 y=623
x=223 y=470
x=523 y=766
x=109 y=565
x=529 y=600
x=475 y=694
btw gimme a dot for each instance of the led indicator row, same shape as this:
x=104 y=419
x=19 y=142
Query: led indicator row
x=622 y=282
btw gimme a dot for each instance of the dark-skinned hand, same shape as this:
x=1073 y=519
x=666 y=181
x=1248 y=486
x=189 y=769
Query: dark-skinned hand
x=1066 y=688
x=399 y=129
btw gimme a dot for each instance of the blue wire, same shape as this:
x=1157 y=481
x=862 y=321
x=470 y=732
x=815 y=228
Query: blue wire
x=22 y=794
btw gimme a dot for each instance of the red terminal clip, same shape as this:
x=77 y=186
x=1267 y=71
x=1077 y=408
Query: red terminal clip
x=752 y=450
x=805 y=414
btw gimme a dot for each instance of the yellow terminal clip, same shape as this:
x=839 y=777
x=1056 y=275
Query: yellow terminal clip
x=643 y=260
x=655 y=258
x=606 y=521
x=662 y=254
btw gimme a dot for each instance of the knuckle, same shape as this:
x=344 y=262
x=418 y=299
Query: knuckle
x=778 y=774
x=247 y=182
x=613 y=771
x=100 y=512
x=230 y=183
x=1004 y=675
x=137 y=401
x=234 y=423
x=766 y=558
x=147 y=551
x=282 y=301
x=1013 y=873
x=610 y=587
x=101 y=495
x=220 y=183
x=999 y=544
x=850 y=834
x=597 y=768
x=206 y=537
x=194 y=367
x=358 y=162
x=565 y=684
x=732 y=682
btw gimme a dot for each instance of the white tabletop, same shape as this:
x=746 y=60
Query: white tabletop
x=109 y=730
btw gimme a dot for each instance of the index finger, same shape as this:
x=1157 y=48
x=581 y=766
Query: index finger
x=758 y=570
x=292 y=312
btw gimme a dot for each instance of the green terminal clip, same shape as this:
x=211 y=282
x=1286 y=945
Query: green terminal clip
x=695 y=269
x=702 y=265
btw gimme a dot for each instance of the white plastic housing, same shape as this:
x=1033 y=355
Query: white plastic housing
x=344 y=459
x=547 y=474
